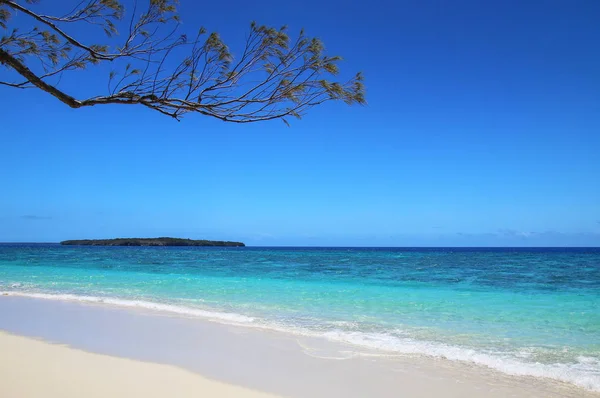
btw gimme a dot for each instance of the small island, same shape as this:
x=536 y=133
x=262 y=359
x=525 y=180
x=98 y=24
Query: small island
x=150 y=242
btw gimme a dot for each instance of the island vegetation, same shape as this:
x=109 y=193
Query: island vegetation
x=163 y=241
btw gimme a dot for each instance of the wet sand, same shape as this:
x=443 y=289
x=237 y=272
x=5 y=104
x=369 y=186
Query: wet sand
x=203 y=354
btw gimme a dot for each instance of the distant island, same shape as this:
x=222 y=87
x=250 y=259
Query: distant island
x=150 y=242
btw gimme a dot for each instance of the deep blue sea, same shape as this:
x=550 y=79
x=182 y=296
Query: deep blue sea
x=522 y=311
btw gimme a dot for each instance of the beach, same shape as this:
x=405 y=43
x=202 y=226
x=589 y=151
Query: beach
x=317 y=322
x=440 y=238
x=32 y=368
x=75 y=349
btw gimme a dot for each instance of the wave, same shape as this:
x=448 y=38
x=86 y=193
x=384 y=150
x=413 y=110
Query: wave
x=584 y=373
x=150 y=305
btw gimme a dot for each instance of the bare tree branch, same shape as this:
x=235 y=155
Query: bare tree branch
x=7 y=59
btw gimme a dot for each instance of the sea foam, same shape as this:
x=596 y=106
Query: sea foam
x=142 y=304
x=585 y=373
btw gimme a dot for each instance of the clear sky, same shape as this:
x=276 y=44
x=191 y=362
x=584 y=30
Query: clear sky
x=482 y=129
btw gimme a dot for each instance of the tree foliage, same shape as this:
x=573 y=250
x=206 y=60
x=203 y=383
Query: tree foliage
x=154 y=65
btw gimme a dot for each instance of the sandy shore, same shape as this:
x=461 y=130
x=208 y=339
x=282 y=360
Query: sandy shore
x=180 y=357
x=30 y=368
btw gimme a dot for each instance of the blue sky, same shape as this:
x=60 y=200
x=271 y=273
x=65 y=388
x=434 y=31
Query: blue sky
x=482 y=129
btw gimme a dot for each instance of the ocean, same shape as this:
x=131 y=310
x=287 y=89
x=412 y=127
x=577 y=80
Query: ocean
x=522 y=311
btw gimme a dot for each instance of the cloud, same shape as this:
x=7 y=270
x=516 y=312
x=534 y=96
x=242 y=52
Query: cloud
x=515 y=233
x=510 y=237
x=35 y=218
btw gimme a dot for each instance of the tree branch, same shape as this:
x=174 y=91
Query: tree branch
x=7 y=59
x=93 y=54
x=274 y=78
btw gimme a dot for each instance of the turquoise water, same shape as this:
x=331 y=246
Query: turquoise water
x=522 y=311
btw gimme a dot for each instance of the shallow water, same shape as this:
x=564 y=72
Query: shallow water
x=522 y=311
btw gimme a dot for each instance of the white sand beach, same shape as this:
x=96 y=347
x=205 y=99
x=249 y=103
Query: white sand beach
x=73 y=350
x=31 y=368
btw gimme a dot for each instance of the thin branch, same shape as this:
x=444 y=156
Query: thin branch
x=93 y=54
x=273 y=78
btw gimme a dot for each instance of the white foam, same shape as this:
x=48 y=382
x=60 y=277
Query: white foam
x=585 y=373
x=188 y=311
x=580 y=374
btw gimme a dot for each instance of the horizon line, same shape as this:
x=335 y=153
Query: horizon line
x=341 y=247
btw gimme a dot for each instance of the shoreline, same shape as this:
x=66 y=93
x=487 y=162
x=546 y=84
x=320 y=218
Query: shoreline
x=261 y=360
x=373 y=345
